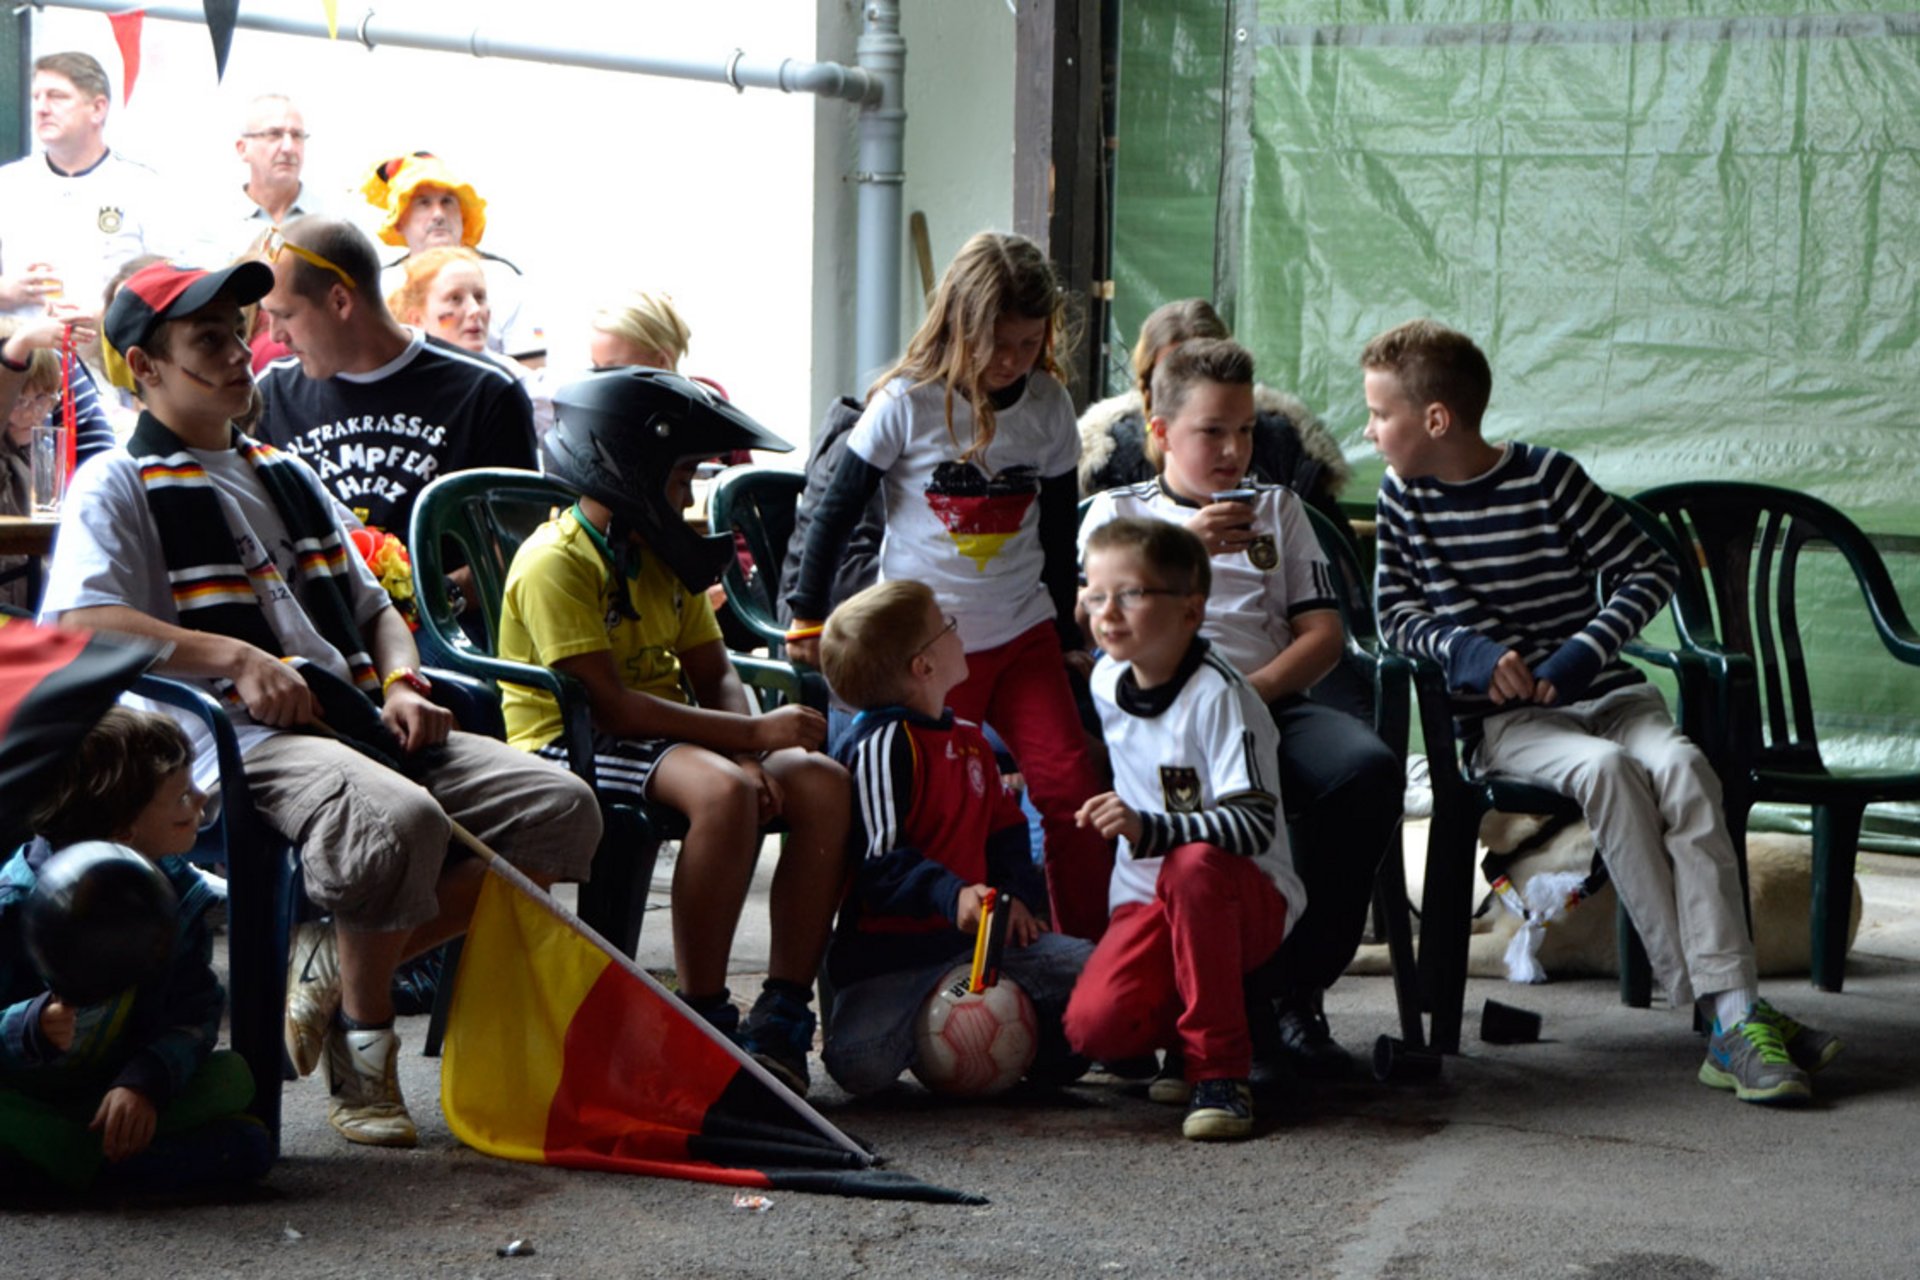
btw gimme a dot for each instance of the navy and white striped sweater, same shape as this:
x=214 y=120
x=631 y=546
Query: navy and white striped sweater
x=1509 y=560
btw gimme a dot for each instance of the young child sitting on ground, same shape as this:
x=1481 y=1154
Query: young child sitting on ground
x=1487 y=560
x=1272 y=615
x=130 y=1092
x=933 y=829
x=1204 y=890
x=612 y=593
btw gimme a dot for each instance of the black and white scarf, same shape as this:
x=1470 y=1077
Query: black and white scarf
x=211 y=590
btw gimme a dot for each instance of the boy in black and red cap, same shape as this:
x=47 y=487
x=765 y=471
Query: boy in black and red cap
x=232 y=552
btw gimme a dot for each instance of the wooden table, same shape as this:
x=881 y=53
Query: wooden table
x=27 y=535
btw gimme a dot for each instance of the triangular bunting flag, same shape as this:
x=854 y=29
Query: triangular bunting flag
x=562 y=1051
x=221 y=15
x=333 y=18
x=126 y=34
x=55 y=685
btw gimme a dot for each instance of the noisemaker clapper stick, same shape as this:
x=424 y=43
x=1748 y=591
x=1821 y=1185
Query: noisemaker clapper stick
x=977 y=979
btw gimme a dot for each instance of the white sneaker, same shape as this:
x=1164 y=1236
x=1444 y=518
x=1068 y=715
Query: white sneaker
x=313 y=993
x=363 y=1087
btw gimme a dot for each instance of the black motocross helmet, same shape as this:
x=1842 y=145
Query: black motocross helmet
x=618 y=434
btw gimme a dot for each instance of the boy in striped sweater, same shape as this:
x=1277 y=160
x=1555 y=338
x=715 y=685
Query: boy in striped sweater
x=1487 y=560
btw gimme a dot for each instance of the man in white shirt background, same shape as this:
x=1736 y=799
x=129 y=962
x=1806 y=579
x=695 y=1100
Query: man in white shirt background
x=73 y=214
x=273 y=146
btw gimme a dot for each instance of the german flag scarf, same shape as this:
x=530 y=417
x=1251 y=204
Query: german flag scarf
x=211 y=589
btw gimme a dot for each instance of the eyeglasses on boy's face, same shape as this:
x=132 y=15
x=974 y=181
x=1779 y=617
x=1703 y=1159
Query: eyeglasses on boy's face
x=938 y=636
x=1130 y=599
x=277 y=244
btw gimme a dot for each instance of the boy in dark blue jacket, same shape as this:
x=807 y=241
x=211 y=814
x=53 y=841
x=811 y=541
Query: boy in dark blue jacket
x=934 y=829
x=127 y=1093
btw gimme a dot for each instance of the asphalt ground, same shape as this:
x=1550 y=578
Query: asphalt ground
x=1591 y=1153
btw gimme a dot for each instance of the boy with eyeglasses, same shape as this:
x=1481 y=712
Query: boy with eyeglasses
x=1204 y=890
x=1273 y=615
x=934 y=830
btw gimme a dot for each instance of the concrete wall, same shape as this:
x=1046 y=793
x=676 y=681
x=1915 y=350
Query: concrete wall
x=959 y=161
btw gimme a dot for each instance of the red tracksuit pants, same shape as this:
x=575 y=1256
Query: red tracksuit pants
x=1020 y=688
x=1167 y=973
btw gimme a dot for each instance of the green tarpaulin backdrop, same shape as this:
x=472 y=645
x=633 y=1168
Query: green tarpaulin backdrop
x=1688 y=237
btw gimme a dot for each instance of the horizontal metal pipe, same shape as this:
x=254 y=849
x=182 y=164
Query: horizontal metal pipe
x=789 y=75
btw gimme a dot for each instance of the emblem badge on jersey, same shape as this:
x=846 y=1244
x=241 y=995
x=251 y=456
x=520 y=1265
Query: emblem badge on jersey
x=976 y=775
x=1180 y=789
x=109 y=220
x=1263 y=552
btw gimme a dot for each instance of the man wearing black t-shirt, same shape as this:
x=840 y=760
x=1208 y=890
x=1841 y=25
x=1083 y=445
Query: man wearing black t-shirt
x=376 y=408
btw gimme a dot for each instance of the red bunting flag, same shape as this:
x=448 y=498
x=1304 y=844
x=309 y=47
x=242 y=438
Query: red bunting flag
x=126 y=34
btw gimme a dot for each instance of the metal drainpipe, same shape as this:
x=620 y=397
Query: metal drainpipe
x=882 y=54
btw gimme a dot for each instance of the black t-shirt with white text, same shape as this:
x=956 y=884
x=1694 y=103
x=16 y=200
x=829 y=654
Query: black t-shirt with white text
x=377 y=440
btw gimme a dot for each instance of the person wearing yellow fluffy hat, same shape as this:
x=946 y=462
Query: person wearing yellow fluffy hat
x=426 y=207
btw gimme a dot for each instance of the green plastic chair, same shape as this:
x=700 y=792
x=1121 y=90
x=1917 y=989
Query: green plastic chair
x=487 y=514
x=758 y=504
x=1745 y=547
x=1386 y=675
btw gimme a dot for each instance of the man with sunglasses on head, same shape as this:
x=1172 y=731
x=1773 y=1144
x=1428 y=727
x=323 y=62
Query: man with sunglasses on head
x=376 y=408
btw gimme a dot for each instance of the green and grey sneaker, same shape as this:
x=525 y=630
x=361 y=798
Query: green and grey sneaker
x=1810 y=1049
x=1750 y=1059
x=1221 y=1111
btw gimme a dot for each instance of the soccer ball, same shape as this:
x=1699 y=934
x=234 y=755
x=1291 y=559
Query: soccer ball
x=974 y=1045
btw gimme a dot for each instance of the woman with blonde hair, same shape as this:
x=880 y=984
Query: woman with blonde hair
x=639 y=328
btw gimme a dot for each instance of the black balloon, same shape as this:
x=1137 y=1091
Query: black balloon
x=100 y=920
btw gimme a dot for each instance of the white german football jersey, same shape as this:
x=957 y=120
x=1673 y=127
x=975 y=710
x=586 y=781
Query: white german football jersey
x=1199 y=758
x=1257 y=592
x=85 y=225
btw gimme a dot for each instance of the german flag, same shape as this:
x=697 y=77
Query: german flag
x=981 y=514
x=562 y=1051
x=55 y=684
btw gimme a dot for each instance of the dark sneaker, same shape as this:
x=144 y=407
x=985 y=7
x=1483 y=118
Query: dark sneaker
x=1809 y=1049
x=1169 y=1085
x=1307 y=1044
x=416 y=983
x=1750 y=1059
x=723 y=1015
x=1144 y=1067
x=1221 y=1110
x=224 y=1150
x=778 y=1032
